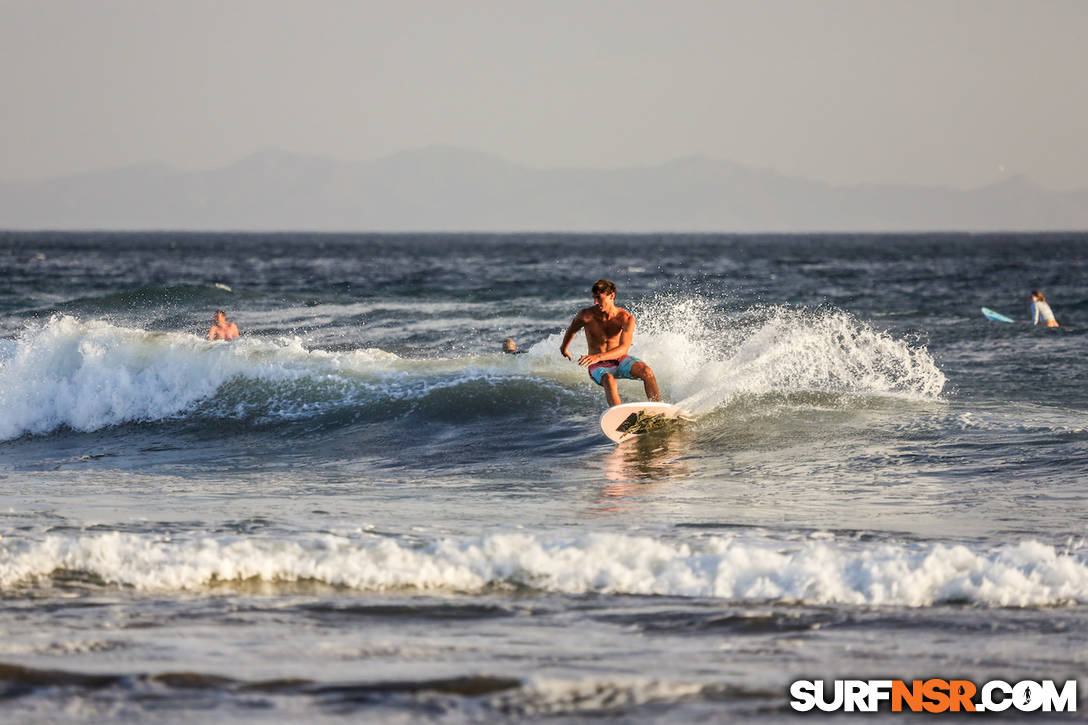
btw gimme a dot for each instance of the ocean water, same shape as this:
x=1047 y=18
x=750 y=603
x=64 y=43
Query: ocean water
x=362 y=510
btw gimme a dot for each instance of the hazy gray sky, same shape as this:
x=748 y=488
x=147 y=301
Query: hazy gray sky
x=952 y=92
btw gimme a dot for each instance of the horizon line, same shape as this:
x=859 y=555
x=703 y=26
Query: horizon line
x=1010 y=178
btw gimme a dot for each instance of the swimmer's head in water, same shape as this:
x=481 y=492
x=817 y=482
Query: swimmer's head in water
x=217 y=315
x=508 y=345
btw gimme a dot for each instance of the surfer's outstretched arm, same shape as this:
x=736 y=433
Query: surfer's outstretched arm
x=577 y=324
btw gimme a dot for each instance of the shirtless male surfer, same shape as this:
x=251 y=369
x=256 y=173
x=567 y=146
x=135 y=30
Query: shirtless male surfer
x=609 y=331
x=221 y=329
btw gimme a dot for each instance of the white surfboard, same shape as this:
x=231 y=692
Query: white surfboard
x=628 y=420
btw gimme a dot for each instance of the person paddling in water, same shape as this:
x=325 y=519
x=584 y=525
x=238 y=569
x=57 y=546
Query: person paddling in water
x=221 y=329
x=609 y=332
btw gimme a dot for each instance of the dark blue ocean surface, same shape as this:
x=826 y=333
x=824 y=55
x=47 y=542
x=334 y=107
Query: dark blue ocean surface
x=362 y=508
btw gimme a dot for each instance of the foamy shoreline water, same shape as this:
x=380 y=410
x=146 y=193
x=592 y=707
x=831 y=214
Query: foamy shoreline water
x=734 y=569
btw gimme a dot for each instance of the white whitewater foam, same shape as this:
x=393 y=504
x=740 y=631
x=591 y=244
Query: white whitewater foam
x=738 y=568
x=550 y=696
x=703 y=359
x=88 y=375
x=710 y=360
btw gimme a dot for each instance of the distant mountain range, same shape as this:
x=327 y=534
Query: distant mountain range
x=447 y=189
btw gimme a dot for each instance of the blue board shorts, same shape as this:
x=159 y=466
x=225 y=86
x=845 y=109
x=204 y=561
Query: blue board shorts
x=619 y=368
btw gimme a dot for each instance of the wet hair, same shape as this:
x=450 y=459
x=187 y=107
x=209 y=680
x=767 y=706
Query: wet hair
x=1036 y=293
x=215 y=317
x=603 y=287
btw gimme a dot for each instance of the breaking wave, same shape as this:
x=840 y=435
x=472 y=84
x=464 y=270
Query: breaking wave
x=732 y=568
x=90 y=375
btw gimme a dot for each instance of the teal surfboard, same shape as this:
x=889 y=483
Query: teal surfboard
x=995 y=316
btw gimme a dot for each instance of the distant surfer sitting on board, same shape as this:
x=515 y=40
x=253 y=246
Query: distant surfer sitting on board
x=609 y=332
x=221 y=329
x=1040 y=309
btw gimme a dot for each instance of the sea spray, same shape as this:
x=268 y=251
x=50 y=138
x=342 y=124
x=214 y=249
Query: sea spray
x=707 y=357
